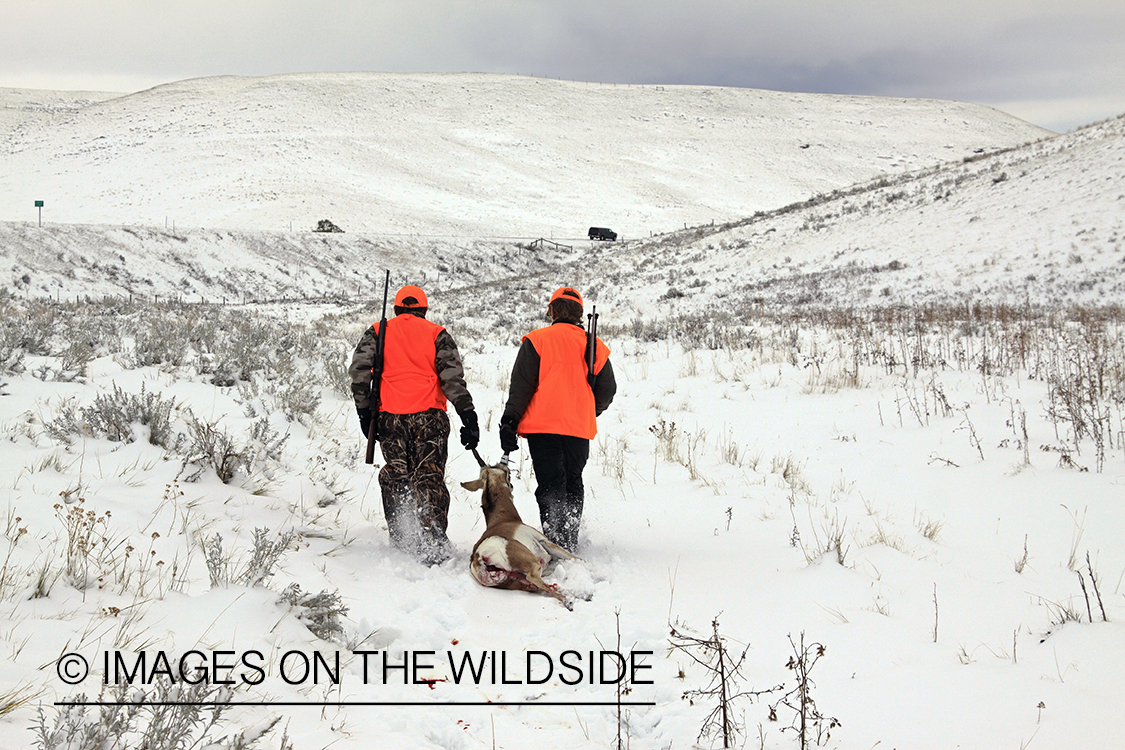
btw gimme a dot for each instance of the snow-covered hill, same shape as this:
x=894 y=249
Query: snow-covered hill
x=1042 y=224
x=459 y=154
x=1039 y=223
x=67 y=261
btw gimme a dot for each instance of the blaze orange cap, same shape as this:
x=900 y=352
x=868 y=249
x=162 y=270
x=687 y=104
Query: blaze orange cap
x=568 y=292
x=410 y=291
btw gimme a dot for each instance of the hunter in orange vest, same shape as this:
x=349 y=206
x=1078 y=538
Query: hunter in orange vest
x=422 y=371
x=554 y=406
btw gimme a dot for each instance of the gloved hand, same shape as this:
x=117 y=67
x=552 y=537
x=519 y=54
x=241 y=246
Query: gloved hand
x=365 y=421
x=470 y=429
x=508 y=439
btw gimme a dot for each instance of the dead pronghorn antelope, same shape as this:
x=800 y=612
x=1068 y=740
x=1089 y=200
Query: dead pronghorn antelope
x=510 y=554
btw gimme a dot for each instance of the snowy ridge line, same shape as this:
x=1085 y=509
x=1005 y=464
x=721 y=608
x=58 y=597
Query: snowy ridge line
x=63 y=260
x=178 y=233
x=1041 y=223
x=1025 y=152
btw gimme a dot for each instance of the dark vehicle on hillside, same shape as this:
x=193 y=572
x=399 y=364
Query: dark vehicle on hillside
x=601 y=233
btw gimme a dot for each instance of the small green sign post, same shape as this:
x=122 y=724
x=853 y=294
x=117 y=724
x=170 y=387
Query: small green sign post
x=39 y=205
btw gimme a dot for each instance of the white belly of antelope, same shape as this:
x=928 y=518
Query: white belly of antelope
x=490 y=564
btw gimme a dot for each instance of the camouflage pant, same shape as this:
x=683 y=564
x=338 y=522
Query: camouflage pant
x=415 y=498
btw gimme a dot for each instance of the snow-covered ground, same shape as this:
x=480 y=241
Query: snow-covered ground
x=793 y=450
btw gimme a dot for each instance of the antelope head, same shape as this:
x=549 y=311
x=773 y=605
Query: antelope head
x=497 y=486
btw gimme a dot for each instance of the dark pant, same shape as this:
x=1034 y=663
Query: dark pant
x=415 y=498
x=558 y=461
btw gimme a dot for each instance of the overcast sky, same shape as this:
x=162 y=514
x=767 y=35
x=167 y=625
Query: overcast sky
x=1056 y=63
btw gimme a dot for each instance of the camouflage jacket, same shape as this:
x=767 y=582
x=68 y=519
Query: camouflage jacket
x=447 y=365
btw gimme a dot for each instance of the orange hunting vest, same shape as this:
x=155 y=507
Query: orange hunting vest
x=563 y=404
x=410 y=382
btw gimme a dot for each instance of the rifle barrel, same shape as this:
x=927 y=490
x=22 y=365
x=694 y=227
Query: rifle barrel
x=592 y=345
x=377 y=376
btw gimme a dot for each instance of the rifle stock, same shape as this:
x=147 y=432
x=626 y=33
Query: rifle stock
x=377 y=377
